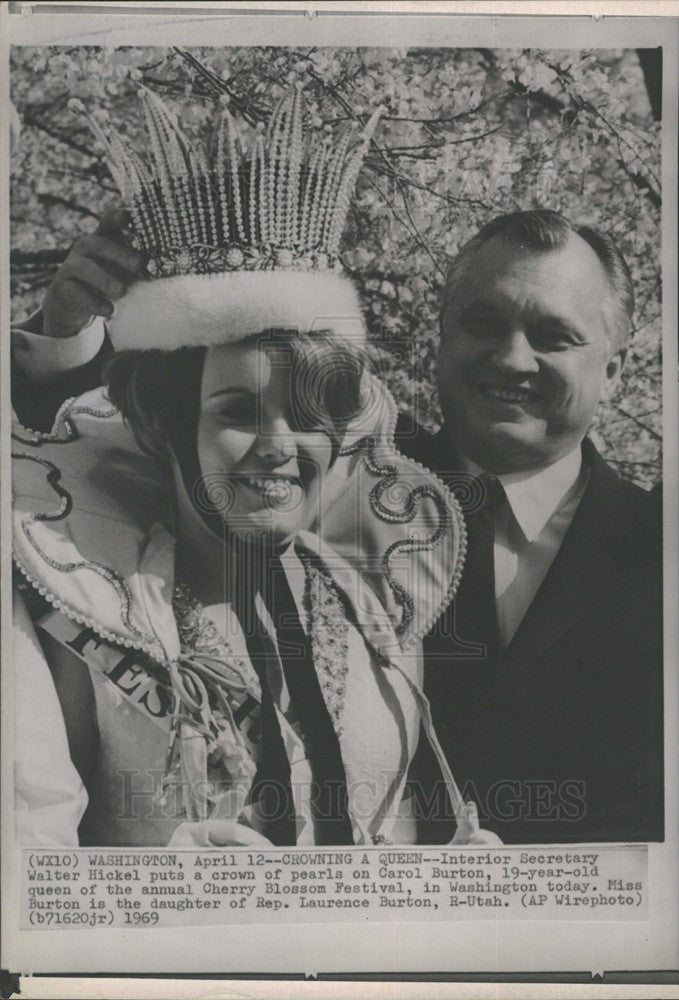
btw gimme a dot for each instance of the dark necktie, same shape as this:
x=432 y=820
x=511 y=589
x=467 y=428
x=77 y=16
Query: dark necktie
x=474 y=605
x=461 y=658
x=329 y=794
x=271 y=785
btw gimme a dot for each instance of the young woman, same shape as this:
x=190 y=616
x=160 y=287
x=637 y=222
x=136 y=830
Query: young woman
x=215 y=597
x=229 y=565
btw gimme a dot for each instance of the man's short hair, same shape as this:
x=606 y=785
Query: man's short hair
x=542 y=230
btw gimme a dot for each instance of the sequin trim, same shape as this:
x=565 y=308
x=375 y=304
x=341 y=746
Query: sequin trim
x=65 y=506
x=328 y=632
x=446 y=503
x=389 y=476
x=198 y=633
x=62 y=420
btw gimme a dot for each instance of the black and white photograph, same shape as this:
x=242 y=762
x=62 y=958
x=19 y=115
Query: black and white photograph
x=339 y=453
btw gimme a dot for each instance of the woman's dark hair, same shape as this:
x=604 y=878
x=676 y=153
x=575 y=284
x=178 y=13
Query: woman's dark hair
x=158 y=392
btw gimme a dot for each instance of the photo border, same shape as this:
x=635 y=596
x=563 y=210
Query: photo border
x=287 y=22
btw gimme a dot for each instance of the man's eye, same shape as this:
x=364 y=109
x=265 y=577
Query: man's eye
x=556 y=337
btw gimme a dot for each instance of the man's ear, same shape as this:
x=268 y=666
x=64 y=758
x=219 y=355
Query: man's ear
x=614 y=371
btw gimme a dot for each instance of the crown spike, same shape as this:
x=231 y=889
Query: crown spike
x=197 y=195
x=270 y=196
x=295 y=168
x=309 y=183
x=163 y=165
x=221 y=171
x=161 y=232
x=256 y=168
x=188 y=221
x=112 y=146
x=174 y=146
x=235 y=165
x=317 y=202
x=285 y=172
x=347 y=185
x=279 y=140
x=176 y=143
x=272 y=176
x=206 y=211
x=126 y=171
x=334 y=180
x=275 y=117
x=138 y=204
x=207 y=193
x=263 y=216
x=282 y=169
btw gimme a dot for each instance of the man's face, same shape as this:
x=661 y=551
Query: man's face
x=526 y=354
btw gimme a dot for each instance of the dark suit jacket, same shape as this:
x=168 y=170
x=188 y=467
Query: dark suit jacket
x=36 y=403
x=560 y=739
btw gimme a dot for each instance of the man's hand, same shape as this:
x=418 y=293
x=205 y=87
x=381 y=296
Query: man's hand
x=469 y=832
x=98 y=271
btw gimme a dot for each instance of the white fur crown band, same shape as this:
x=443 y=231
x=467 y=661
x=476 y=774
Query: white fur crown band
x=236 y=242
x=200 y=310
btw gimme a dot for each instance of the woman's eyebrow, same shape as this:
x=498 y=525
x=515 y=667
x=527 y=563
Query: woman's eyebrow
x=231 y=391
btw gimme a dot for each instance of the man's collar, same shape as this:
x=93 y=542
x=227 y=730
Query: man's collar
x=536 y=495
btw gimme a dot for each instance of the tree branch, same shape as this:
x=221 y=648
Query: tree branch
x=640 y=423
x=30 y=119
x=539 y=97
x=251 y=112
x=37 y=258
x=405 y=150
x=554 y=104
x=55 y=199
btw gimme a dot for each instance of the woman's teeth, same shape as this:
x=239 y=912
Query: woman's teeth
x=268 y=485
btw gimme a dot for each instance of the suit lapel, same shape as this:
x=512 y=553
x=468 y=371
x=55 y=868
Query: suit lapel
x=592 y=555
x=587 y=562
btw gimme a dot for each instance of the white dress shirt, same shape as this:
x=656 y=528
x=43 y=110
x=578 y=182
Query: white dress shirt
x=529 y=529
x=42 y=358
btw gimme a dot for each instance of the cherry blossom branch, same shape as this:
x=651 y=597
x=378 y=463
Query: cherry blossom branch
x=636 y=420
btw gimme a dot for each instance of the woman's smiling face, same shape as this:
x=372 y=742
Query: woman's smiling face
x=262 y=468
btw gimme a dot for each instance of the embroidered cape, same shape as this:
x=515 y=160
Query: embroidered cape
x=91 y=535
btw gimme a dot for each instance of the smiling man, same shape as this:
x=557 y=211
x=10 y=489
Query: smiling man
x=531 y=341
x=545 y=676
